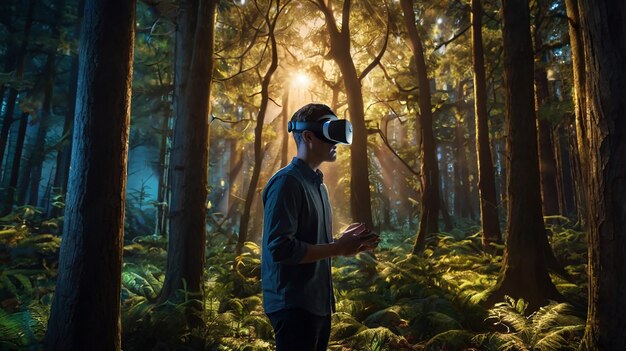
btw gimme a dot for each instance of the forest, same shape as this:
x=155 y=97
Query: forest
x=489 y=154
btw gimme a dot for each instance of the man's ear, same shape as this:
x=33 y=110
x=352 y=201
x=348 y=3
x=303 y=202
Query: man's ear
x=307 y=136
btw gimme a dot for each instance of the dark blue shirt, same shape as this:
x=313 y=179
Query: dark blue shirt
x=296 y=213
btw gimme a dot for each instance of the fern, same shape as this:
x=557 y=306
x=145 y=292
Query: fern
x=553 y=327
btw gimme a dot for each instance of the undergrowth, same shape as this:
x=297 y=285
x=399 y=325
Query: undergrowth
x=388 y=300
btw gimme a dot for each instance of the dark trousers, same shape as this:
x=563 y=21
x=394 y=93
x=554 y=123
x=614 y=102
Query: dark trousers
x=300 y=330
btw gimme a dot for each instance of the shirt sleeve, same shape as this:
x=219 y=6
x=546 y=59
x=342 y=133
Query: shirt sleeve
x=282 y=203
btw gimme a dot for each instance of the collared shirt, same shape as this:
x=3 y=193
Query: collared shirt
x=296 y=213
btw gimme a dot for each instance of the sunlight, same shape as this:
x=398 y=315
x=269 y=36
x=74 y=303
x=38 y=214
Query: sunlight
x=301 y=80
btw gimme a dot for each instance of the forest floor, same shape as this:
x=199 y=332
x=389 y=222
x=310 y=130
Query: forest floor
x=390 y=300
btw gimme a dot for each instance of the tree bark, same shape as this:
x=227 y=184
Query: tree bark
x=603 y=24
x=578 y=70
x=429 y=219
x=195 y=36
x=85 y=312
x=547 y=164
x=360 y=197
x=486 y=175
x=525 y=265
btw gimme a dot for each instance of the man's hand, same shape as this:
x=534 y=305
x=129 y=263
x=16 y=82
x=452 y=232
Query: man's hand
x=356 y=238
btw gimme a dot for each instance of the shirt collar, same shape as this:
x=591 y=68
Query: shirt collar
x=307 y=172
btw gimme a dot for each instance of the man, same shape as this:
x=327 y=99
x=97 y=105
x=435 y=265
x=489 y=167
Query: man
x=297 y=235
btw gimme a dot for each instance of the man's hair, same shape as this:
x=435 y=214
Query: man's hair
x=309 y=113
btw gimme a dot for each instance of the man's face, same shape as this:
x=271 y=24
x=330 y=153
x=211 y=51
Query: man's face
x=320 y=149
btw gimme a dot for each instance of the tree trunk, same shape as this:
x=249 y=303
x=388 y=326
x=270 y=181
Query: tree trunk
x=258 y=132
x=162 y=203
x=547 y=164
x=39 y=148
x=19 y=71
x=17 y=158
x=578 y=69
x=462 y=199
x=525 y=265
x=603 y=26
x=85 y=313
x=195 y=35
x=64 y=154
x=360 y=197
x=430 y=173
x=486 y=175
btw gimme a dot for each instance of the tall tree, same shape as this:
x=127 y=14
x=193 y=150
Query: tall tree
x=527 y=251
x=603 y=24
x=270 y=23
x=86 y=308
x=486 y=175
x=578 y=70
x=429 y=173
x=195 y=36
x=462 y=197
x=340 y=43
x=547 y=164
x=61 y=175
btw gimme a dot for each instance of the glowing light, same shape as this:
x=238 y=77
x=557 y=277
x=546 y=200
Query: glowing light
x=222 y=183
x=301 y=80
x=439 y=20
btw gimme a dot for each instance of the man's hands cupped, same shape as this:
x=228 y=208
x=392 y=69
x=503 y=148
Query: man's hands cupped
x=356 y=238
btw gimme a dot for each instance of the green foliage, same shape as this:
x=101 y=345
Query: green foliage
x=554 y=327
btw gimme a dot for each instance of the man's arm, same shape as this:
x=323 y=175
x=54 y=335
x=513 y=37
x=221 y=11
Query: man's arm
x=353 y=240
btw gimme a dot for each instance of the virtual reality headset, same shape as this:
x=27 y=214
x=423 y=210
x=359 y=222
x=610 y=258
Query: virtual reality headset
x=329 y=128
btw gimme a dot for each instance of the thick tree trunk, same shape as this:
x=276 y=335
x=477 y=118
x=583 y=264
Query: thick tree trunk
x=85 y=313
x=603 y=26
x=526 y=257
x=258 y=132
x=195 y=35
x=360 y=198
x=429 y=219
x=486 y=175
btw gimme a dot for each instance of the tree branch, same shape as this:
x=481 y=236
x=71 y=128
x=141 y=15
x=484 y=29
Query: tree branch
x=455 y=37
x=376 y=60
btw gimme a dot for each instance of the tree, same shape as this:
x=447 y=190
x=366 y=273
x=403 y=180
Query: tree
x=64 y=154
x=340 y=42
x=486 y=175
x=12 y=98
x=527 y=252
x=578 y=70
x=270 y=23
x=547 y=169
x=86 y=308
x=430 y=173
x=603 y=29
x=195 y=35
